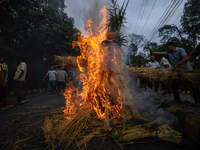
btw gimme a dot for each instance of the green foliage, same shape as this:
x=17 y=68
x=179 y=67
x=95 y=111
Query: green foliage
x=167 y=32
x=191 y=20
x=117 y=18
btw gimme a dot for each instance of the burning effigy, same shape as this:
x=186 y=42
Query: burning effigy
x=104 y=104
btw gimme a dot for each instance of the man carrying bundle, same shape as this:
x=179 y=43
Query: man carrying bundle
x=175 y=55
x=193 y=54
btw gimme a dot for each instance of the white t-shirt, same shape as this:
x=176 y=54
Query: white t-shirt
x=163 y=62
x=6 y=68
x=52 y=75
x=21 y=67
x=153 y=64
x=61 y=75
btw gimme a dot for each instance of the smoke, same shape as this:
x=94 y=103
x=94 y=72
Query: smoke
x=145 y=102
x=82 y=10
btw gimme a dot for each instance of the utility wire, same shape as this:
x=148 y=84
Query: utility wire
x=163 y=20
x=154 y=29
x=139 y=15
x=168 y=17
x=148 y=16
x=142 y=14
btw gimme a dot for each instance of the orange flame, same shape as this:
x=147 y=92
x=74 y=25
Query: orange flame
x=99 y=89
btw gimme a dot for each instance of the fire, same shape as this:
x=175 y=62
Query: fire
x=99 y=89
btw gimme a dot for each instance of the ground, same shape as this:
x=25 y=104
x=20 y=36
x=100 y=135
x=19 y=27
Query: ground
x=20 y=128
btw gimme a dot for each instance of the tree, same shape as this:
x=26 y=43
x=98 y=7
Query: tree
x=191 y=20
x=167 y=32
x=36 y=29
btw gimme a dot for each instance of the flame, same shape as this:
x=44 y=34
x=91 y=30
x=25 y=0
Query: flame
x=99 y=89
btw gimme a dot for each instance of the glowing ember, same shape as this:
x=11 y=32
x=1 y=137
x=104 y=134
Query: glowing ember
x=99 y=89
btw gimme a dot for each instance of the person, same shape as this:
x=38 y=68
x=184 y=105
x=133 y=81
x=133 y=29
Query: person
x=164 y=63
x=153 y=64
x=19 y=78
x=193 y=54
x=175 y=55
x=3 y=86
x=5 y=70
x=142 y=81
x=52 y=79
x=61 y=78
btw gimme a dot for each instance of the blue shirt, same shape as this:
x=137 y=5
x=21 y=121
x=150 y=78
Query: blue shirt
x=177 y=56
x=52 y=75
x=153 y=64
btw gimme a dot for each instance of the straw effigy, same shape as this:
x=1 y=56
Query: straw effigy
x=164 y=75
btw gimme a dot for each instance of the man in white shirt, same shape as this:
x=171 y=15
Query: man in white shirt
x=52 y=79
x=61 y=78
x=164 y=63
x=153 y=64
x=19 y=78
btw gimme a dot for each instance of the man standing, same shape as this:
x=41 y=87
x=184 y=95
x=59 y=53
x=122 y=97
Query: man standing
x=153 y=64
x=175 y=55
x=3 y=87
x=61 y=78
x=19 y=78
x=164 y=63
x=52 y=79
x=193 y=54
x=142 y=81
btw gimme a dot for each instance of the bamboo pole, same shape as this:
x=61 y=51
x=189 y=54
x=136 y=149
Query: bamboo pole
x=107 y=112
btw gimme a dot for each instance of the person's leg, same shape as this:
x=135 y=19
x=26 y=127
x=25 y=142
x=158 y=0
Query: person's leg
x=150 y=85
x=49 y=87
x=175 y=89
x=54 y=85
x=59 y=87
x=156 y=85
x=18 y=91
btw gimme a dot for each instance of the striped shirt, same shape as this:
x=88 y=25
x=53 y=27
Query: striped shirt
x=1 y=67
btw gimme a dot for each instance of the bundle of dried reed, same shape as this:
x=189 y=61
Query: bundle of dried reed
x=68 y=132
x=164 y=75
x=152 y=129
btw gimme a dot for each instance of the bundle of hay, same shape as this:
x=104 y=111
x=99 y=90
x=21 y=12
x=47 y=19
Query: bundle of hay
x=164 y=75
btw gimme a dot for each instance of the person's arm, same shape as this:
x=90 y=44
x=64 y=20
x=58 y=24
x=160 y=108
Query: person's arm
x=185 y=60
x=45 y=77
x=56 y=77
x=5 y=72
x=156 y=53
x=21 y=74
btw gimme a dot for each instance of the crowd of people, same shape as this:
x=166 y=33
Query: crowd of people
x=19 y=79
x=177 y=59
x=57 y=79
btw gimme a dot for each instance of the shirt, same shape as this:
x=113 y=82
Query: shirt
x=21 y=67
x=153 y=64
x=144 y=65
x=61 y=75
x=1 y=67
x=52 y=75
x=176 y=56
x=6 y=68
x=163 y=62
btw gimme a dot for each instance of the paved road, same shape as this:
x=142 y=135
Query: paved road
x=20 y=127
